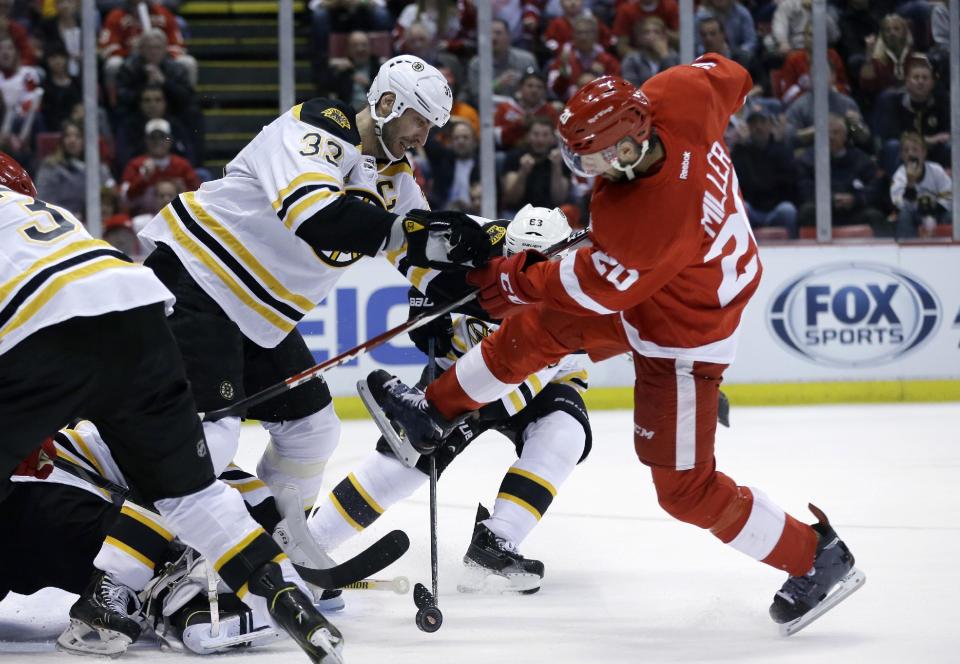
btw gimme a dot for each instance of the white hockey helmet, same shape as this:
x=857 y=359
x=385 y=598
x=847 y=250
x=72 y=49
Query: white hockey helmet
x=416 y=85
x=536 y=228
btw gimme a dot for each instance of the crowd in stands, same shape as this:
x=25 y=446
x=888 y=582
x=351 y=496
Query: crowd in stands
x=889 y=103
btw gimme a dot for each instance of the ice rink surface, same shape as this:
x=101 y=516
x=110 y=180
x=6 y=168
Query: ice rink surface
x=624 y=583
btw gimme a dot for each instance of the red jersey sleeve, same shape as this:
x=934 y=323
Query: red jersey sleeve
x=111 y=34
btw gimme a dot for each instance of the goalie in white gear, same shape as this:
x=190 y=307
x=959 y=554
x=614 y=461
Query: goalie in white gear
x=248 y=255
x=544 y=417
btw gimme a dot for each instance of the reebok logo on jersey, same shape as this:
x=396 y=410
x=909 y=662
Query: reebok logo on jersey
x=337 y=116
x=640 y=432
x=685 y=166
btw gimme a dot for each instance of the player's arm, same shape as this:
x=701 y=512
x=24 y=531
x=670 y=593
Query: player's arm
x=588 y=282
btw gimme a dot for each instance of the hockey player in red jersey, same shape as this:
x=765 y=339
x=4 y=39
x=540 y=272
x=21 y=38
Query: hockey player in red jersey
x=673 y=262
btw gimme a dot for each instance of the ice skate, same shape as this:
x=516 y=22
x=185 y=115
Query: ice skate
x=104 y=621
x=493 y=565
x=803 y=599
x=410 y=425
x=294 y=537
x=203 y=631
x=296 y=615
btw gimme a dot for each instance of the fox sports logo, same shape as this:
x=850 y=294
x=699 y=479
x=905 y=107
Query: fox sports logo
x=854 y=314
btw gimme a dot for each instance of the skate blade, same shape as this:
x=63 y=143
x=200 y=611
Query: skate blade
x=401 y=446
x=331 y=654
x=479 y=580
x=848 y=585
x=106 y=642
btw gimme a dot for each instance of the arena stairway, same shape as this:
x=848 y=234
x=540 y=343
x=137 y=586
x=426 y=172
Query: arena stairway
x=235 y=43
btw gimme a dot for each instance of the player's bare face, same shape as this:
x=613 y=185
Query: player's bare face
x=407 y=132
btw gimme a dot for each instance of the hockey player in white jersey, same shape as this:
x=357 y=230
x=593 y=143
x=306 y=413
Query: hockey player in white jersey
x=248 y=255
x=545 y=418
x=83 y=333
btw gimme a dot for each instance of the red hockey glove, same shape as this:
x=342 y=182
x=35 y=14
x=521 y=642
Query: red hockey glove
x=39 y=463
x=504 y=288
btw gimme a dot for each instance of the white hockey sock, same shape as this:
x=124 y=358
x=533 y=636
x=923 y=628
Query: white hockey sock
x=215 y=522
x=223 y=439
x=361 y=497
x=298 y=452
x=552 y=446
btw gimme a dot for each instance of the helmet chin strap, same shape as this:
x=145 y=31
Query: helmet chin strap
x=378 y=125
x=628 y=170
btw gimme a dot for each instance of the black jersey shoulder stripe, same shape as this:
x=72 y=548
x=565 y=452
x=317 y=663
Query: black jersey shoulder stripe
x=300 y=193
x=232 y=264
x=33 y=284
x=332 y=116
x=63 y=440
x=525 y=392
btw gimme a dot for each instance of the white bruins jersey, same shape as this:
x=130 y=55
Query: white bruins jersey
x=237 y=236
x=51 y=270
x=469 y=332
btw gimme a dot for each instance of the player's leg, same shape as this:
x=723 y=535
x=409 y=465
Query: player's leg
x=304 y=428
x=552 y=436
x=149 y=419
x=675 y=419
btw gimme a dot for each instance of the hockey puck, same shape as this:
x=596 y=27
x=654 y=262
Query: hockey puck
x=429 y=619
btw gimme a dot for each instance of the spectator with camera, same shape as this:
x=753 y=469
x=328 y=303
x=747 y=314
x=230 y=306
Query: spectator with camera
x=535 y=173
x=920 y=190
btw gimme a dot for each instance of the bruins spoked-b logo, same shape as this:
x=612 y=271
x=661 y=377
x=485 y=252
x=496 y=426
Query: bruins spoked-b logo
x=338 y=258
x=227 y=391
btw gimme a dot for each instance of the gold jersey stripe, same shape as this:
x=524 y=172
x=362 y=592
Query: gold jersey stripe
x=396 y=169
x=237 y=548
x=130 y=551
x=299 y=180
x=416 y=277
x=82 y=446
x=517 y=400
x=363 y=494
x=237 y=249
x=252 y=485
x=534 y=478
x=71 y=248
x=211 y=264
x=522 y=503
x=535 y=383
x=136 y=515
x=55 y=285
x=306 y=203
x=343 y=513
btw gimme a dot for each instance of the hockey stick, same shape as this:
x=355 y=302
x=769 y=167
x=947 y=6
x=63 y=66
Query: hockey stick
x=429 y=618
x=237 y=409
x=117 y=493
x=398 y=584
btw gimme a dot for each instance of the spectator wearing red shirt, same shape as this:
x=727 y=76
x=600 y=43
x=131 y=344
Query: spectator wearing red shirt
x=123 y=26
x=511 y=116
x=158 y=163
x=795 y=72
x=559 y=31
x=21 y=38
x=630 y=13
x=20 y=93
x=581 y=60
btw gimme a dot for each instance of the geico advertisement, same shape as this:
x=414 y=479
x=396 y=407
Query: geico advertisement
x=853 y=313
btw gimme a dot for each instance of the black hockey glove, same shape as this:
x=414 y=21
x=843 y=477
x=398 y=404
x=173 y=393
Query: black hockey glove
x=440 y=329
x=445 y=240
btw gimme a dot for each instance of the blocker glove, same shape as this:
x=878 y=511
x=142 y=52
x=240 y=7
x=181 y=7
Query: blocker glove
x=445 y=240
x=504 y=288
x=38 y=463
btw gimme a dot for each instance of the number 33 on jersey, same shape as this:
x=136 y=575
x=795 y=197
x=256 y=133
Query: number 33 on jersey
x=52 y=270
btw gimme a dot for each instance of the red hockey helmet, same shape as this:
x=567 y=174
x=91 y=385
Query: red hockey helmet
x=597 y=117
x=14 y=177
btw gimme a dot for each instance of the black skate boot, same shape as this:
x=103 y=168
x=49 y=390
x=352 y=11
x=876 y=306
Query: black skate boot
x=803 y=599
x=403 y=415
x=106 y=610
x=293 y=611
x=494 y=564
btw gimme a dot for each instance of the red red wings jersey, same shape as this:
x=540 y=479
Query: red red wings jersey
x=674 y=251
